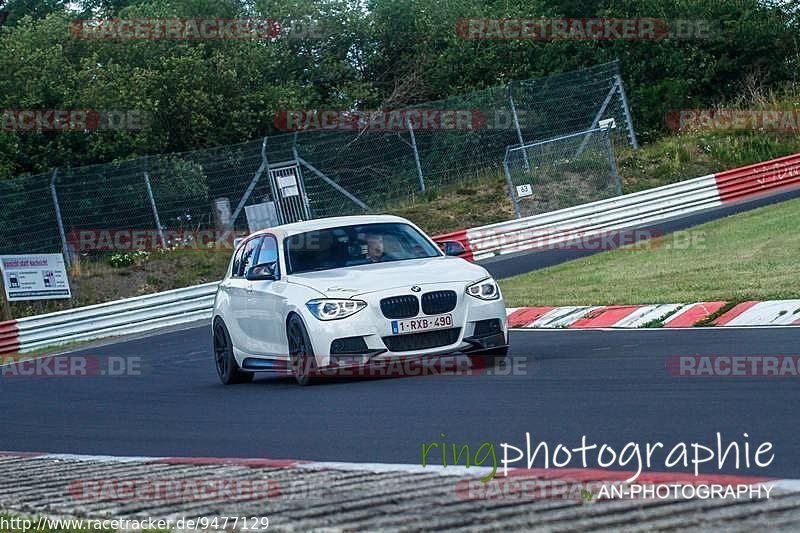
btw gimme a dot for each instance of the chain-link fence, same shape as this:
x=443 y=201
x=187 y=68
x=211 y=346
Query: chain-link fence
x=562 y=172
x=339 y=171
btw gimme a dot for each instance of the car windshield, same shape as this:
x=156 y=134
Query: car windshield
x=356 y=245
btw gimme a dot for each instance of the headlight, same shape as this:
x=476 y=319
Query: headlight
x=325 y=309
x=485 y=290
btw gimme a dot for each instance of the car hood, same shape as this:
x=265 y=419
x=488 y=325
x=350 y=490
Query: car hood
x=356 y=280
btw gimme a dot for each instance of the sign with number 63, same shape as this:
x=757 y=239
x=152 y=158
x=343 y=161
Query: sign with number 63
x=524 y=190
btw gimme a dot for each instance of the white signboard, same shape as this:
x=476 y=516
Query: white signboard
x=524 y=190
x=290 y=191
x=34 y=277
x=286 y=181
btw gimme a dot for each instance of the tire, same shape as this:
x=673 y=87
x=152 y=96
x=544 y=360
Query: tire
x=227 y=368
x=493 y=358
x=301 y=353
x=497 y=355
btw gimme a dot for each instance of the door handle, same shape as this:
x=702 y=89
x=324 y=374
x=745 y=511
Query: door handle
x=249 y=287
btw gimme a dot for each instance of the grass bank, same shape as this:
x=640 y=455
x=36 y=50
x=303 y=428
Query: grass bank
x=748 y=256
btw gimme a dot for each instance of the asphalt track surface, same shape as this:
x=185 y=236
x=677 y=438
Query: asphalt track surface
x=611 y=386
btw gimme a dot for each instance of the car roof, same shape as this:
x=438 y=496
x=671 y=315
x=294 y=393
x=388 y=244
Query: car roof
x=332 y=222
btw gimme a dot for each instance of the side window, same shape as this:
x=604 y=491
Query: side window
x=248 y=257
x=268 y=252
x=237 y=262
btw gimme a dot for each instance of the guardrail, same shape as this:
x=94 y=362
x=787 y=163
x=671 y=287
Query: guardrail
x=121 y=317
x=180 y=306
x=630 y=211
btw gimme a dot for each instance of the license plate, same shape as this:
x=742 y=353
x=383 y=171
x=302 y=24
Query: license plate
x=425 y=323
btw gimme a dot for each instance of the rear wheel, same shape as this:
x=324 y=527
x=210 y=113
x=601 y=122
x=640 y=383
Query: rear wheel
x=301 y=354
x=227 y=367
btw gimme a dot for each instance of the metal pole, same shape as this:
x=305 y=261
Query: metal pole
x=332 y=183
x=6 y=304
x=627 y=111
x=155 y=209
x=253 y=183
x=511 y=185
x=416 y=156
x=612 y=162
x=65 y=247
x=516 y=125
x=300 y=180
x=598 y=116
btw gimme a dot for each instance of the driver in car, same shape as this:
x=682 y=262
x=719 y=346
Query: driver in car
x=375 y=250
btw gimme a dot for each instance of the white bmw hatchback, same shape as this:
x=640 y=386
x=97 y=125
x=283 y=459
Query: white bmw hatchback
x=307 y=297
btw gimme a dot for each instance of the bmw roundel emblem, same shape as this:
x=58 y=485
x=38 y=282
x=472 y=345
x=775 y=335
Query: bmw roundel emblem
x=416 y=288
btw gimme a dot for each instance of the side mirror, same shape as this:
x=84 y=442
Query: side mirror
x=453 y=248
x=262 y=272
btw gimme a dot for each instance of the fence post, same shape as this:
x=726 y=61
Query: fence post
x=510 y=90
x=598 y=115
x=612 y=162
x=416 y=155
x=64 y=246
x=300 y=179
x=155 y=209
x=246 y=196
x=321 y=175
x=511 y=185
x=627 y=111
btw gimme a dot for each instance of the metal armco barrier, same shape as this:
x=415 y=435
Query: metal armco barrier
x=193 y=304
x=771 y=176
x=121 y=317
x=630 y=211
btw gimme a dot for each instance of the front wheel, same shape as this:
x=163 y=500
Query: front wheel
x=227 y=367
x=497 y=355
x=304 y=364
x=495 y=358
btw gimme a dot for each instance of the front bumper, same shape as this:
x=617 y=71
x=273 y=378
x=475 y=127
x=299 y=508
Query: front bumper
x=372 y=327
